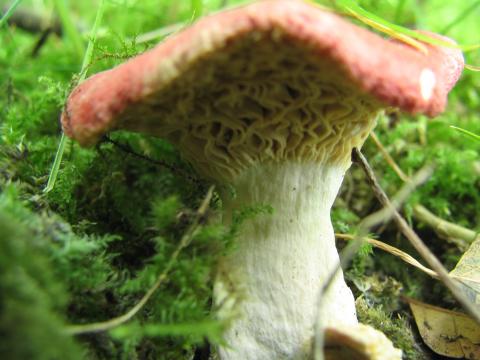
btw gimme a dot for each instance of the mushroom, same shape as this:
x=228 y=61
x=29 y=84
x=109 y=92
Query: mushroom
x=269 y=100
x=359 y=342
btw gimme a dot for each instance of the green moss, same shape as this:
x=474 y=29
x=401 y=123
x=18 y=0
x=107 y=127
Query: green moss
x=88 y=250
x=32 y=297
x=398 y=330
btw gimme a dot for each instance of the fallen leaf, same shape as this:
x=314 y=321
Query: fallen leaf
x=447 y=332
x=467 y=273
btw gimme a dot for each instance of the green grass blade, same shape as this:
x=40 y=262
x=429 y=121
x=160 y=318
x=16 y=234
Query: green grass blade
x=472 y=67
x=69 y=26
x=399 y=10
x=56 y=164
x=351 y=7
x=466 y=132
x=9 y=12
x=196 y=8
x=87 y=59
x=86 y=62
x=460 y=17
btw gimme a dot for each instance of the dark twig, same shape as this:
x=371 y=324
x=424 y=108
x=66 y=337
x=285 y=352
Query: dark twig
x=202 y=352
x=127 y=149
x=32 y=21
x=41 y=41
x=414 y=239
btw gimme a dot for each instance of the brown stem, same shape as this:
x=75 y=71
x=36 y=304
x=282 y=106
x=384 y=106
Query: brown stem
x=457 y=234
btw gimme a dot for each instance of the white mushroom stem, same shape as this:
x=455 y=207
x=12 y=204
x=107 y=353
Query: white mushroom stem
x=280 y=261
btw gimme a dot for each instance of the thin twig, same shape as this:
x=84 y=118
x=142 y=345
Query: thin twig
x=44 y=35
x=127 y=149
x=415 y=240
x=388 y=157
x=184 y=242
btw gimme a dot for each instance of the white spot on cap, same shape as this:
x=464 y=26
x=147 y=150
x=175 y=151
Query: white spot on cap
x=427 y=83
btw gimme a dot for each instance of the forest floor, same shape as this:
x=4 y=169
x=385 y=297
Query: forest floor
x=88 y=247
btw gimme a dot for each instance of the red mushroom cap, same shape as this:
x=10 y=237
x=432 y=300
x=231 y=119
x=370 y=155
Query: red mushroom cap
x=383 y=73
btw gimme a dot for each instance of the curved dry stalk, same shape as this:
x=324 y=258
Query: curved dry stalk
x=394 y=251
x=119 y=320
x=398 y=253
x=457 y=234
x=388 y=158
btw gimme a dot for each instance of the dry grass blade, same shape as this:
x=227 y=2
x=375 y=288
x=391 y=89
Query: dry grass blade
x=409 y=36
x=388 y=158
x=390 y=32
x=394 y=251
x=157 y=34
x=472 y=67
x=413 y=38
x=402 y=255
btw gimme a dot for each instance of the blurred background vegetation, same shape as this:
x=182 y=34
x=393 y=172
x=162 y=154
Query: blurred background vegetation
x=89 y=249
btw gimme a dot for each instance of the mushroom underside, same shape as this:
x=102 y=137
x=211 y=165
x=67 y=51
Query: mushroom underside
x=261 y=98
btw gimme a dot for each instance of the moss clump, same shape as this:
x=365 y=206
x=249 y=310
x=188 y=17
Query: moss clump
x=32 y=298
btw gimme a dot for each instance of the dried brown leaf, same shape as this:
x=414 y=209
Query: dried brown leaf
x=447 y=332
x=467 y=272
